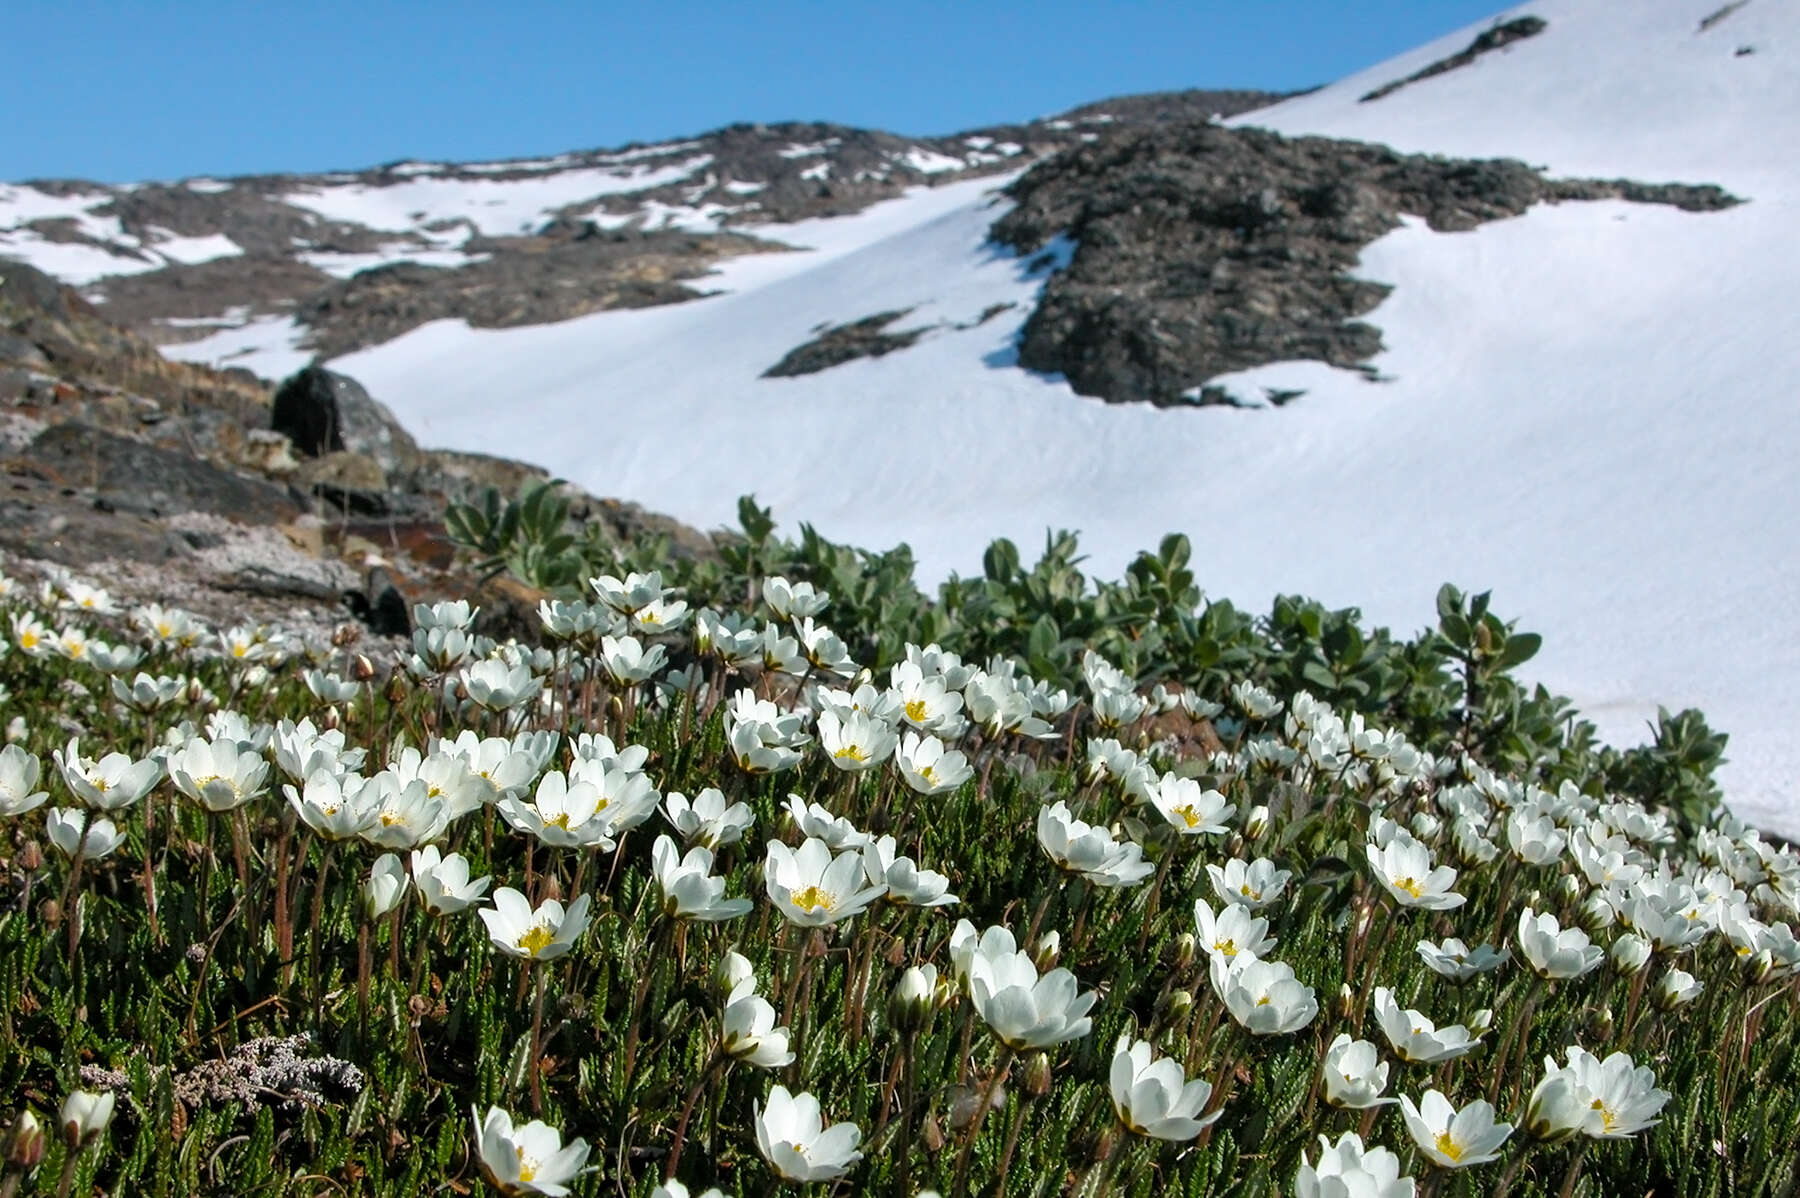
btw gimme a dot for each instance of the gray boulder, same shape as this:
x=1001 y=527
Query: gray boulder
x=323 y=412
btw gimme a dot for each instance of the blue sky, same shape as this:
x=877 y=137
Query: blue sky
x=133 y=90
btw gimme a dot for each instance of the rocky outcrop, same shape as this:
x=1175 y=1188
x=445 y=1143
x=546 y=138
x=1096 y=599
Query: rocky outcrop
x=1487 y=41
x=1203 y=250
x=309 y=506
x=837 y=344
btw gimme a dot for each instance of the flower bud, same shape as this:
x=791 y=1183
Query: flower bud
x=1187 y=948
x=361 y=668
x=345 y=635
x=1426 y=826
x=1759 y=966
x=16 y=730
x=31 y=857
x=732 y=968
x=84 y=1117
x=1629 y=953
x=385 y=885
x=1257 y=822
x=1571 y=888
x=909 y=1006
x=1556 y=1110
x=1481 y=1020
x=25 y=1146
x=1676 y=988
x=1596 y=914
x=396 y=688
x=1048 y=949
x=1037 y=1075
x=332 y=720
x=1346 y=1001
x=1180 y=1003
x=1599 y=1023
x=255 y=678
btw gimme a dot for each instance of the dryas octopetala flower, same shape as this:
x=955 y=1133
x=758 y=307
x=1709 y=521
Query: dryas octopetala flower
x=1263 y=996
x=145 y=694
x=1347 y=1170
x=857 y=742
x=928 y=767
x=1190 y=808
x=906 y=883
x=1454 y=1139
x=1355 y=1075
x=811 y=887
x=383 y=889
x=706 y=818
x=1152 y=1095
x=815 y=821
x=1404 y=870
x=747 y=1028
x=1609 y=1099
x=1554 y=951
x=443 y=881
x=405 y=813
x=793 y=1138
x=1023 y=1010
x=497 y=686
x=1416 y=1038
x=689 y=889
x=1090 y=851
x=627 y=662
x=63 y=825
x=110 y=784
x=562 y=813
x=1457 y=961
x=220 y=775
x=19 y=775
x=1254 y=884
x=1235 y=929
x=540 y=935
x=84 y=1117
x=531 y=1159
x=332 y=805
x=793 y=600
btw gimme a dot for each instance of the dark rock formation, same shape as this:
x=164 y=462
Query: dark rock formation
x=1489 y=40
x=323 y=412
x=1203 y=250
x=865 y=338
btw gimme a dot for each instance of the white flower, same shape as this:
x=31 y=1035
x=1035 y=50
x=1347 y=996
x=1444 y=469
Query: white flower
x=1629 y=953
x=1617 y=1098
x=110 y=784
x=1553 y=951
x=674 y=1189
x=926 y=702
x=531 y=1159
x=793 y=1138
x=689 y=889
x=1253 y=884
x=748 y=1029
x=19 y=775
x=1090 y=851
x=628 y=596
x=329 y=688
x=1457 y=961
x=660 y=616
x=815 y=821
x=146 y=694
x=1190 y=808
x=1023 y=1010
x=499 y=687
x=811 y=887
x=905 y=881
x=1676 y=988
x=540 y=935
x=1153 y=1096
x=562 y=813
x=1346 y=1170
x=823 y=649
x=1355 y=1075
x=706 y=819
x=219 y=775
x=1451 y=1138
x=383 y=888
x=301 y=751
x=1234 y=930
x=1416 y=1038
x=793 y=600
x=443 y=882
x=929 y=768
x=1534 y=839
x=405 y=814
x=84 y=1117
x=332 y=804
x=1404 y=870
x=856 y=743
x=627 y=662
x=63 y=826
x=1264 y=996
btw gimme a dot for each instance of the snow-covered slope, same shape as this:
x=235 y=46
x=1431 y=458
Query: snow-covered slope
x=1586 y=409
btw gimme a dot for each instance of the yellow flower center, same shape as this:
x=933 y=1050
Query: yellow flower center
x=240 y=650
x=1410 y=886
x=535 y=940
x=1449 y=1147
x=1608 y=1119
x=1188 y=815
x=853 y=752
x=1228 y=946
x=915 y=711
x=560 y=820
x=1247 y=892
x=102 y=785
x=1263 y=1001
x=527 y=1166
x=28 y=640
x=390 y=818
x=76 y=648
x=813 y=899
x=927 y=773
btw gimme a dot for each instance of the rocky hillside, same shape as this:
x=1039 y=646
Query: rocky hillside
x=172 y=483
x=357 y=258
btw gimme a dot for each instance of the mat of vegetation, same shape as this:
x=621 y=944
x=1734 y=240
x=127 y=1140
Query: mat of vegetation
x=1034 y=886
